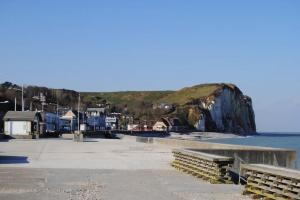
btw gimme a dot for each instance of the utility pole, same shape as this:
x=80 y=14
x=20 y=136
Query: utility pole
x=15 y=103
x=94 y=123
x=78 y=137
x=22 y=97
x=57 y=114
x=57 y=117
x=78 y=120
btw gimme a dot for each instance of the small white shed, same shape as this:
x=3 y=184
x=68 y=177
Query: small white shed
x=21 y=123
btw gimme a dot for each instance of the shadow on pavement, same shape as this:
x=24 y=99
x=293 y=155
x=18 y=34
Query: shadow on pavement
x=13 y=160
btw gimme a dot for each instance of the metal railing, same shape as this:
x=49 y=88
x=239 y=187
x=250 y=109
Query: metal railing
x=241 y=161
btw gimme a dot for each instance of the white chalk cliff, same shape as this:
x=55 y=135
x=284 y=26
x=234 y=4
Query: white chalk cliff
x=227 y=110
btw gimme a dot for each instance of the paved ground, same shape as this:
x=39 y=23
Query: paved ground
x=92 y=154
x=98 y=169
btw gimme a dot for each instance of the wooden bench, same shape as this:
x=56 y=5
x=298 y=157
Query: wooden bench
x=212 y=168
x=270 y=182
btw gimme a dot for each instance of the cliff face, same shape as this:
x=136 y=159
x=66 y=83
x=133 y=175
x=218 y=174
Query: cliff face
x=226 y=110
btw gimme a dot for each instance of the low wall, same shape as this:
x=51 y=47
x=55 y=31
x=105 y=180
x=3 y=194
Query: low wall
x=249 y=154
x=275 y=157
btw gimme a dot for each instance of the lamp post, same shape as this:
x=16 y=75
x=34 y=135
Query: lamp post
x=57 y=115
x=23 y=102
x=22 y=97
x=78 y=137
x=78 y=120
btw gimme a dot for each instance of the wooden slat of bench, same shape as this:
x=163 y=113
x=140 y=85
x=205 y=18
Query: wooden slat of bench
x=206 y=156
x=274 y=178
x=204 y=176
x=274 y=191
x=276 y=171
x=201 y=164
x=215 y=173
x=263 y=193
x=276 y=184
x=197 y=160
x=201 y=174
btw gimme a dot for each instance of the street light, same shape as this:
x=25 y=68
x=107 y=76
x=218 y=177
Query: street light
x=23 y=103
x=4 y=102
x=57 y=115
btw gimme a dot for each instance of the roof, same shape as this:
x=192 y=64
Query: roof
x=71 y=114
x=45 y=114
x=21 y=116
x=95 y=109
x=171 y=121
x=160 y=123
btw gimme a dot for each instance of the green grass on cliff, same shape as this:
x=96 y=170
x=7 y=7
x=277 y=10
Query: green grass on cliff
x=130 y=98
x=186 y=95
x=180 y=97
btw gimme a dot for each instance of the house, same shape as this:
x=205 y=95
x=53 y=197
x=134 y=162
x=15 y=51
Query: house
x=70 y=120
x=95 y=119
x=173 y=124
x=17 y=123
x=142 y=127
x=51 y=122
x=160 y=126
x=111 y=123
x=96 y=123
x=64 y=125
x=132 y=127
x=95 y=112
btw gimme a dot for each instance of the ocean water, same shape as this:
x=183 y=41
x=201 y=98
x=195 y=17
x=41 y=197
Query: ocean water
x=276 y=140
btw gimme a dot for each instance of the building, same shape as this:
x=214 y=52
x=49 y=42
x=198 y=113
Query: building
x=160 y=126
x=51 y=122
x=17 y=123
x=91 y=112
x=96 y=123
x=173 y=124
x=95 y=119
x=132 y=127
x=69 y=121
x=111 y=123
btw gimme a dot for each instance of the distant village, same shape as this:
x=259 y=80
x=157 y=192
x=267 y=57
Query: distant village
x=94 y=119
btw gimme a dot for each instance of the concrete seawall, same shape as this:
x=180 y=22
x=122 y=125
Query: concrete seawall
x=242 y=154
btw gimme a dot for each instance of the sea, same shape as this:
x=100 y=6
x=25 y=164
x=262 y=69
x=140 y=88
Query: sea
x=276 y=140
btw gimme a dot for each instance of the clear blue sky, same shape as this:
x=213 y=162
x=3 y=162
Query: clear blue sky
x=157 y=45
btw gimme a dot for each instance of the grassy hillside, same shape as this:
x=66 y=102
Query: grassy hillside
x=140 y=104
x=122 y=98
x=189 y=94
x=180 y=97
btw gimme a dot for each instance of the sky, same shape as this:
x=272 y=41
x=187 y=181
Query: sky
x=159 y=45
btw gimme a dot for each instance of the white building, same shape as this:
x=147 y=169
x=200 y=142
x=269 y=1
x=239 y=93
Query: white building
x=17 y=123
x=95 y=112
x=68 y=122
x=111 y=123
x=160 y=126
x=131 y=127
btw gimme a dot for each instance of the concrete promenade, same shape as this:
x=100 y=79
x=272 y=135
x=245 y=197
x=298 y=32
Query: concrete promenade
x=98 y=169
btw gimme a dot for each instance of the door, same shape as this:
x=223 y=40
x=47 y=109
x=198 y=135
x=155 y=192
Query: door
x=19 y=128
